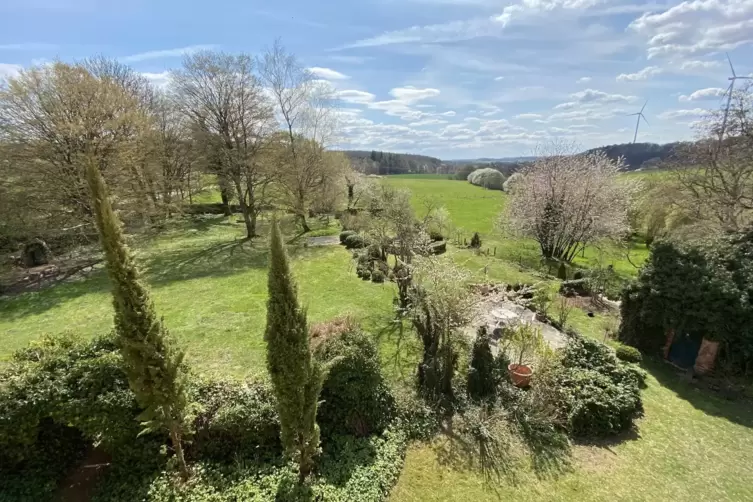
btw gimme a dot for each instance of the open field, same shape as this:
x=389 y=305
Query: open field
x=474 y=209
x=211 y=289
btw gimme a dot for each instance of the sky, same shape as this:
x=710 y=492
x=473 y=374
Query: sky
x=447 y=78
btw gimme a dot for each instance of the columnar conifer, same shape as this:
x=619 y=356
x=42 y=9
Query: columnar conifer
x=153 y=365
x=296 y=376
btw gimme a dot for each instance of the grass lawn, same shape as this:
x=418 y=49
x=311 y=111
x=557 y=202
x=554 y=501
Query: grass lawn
x=475 y=209
x=211 y=289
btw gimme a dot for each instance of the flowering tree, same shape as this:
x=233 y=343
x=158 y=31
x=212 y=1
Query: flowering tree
x=566 y=201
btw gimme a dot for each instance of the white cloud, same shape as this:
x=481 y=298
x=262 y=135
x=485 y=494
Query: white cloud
x=528 y=116
x=643 y=74
x=158 y=79
x=700 y=65
x=675 y=114
x=356 y=97
x=696 y=27
x=9 y=70
x=424 y=122
x=327 y=73
x=592 y=97
x=412 y=94
x=583 y=80
x=497 y=79
x=166 y=53
x=701 y=94
x=450 y=113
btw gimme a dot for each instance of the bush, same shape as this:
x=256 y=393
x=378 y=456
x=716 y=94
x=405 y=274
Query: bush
x=355 y=241
x=483 y=377
x=598 y=394
x=345 y=234
x=509 y=184
x=435 y=236
x=419 y=420
x=377 y=276
x=236 y=420
x=629 y=354
x=69 y=382
x=355 y=398
x=476 y=241
x=487 y=178
x=579 y=274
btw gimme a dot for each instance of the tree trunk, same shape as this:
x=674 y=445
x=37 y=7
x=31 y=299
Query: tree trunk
x=178 y=447
x=224 y=194
x=247 y=219
x=304 y=223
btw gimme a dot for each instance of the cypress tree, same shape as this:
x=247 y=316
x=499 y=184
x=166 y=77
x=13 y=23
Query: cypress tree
x=152 y=364
x=296 y=377
x=482 y=379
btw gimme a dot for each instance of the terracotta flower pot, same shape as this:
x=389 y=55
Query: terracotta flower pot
x=520 y=374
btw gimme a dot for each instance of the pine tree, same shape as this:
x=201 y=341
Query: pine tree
x=153 y=365
x=296 y=377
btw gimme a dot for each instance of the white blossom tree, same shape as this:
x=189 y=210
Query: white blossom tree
x=565 y=201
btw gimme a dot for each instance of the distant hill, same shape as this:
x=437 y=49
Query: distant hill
x=378 y=162
x=639 y=155
x=489 y=160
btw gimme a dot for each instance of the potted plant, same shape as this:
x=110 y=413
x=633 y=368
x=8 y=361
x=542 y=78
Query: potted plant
x=525 y=340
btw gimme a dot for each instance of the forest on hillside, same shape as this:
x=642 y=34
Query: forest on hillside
x=378 y=162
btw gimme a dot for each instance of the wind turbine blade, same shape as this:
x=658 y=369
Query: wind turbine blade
x=644 y=119
x=644 y=106
x=730 y=65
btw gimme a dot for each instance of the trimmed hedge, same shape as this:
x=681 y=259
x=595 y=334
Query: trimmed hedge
x=487 y=178
x=355 y=241
x=628 y=354
x=345 y=234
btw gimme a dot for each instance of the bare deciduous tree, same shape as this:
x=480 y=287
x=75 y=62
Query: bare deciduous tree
x=565 y=201
x=306 y=111
x=222 y=96
x=716 y=176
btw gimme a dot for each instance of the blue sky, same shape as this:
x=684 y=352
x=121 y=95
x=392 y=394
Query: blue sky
x=449 y=78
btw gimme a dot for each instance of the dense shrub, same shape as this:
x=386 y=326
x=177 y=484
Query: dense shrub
x=355 y=398
x=345 y=234
x=362 y=469
x=509 y=184
x=484 y=373
x=435 y=236
x=235 y=420
x=701 y=291
x=71 y=382
x=475 y=241
x=562 y=271
x=628 y=354
x=598 y=394
x=487 y=178
x=377 y=276
x=419 y=420
x=355 y=241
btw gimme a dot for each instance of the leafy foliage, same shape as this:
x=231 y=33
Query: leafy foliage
x=154 y=367
x=297 y=378
x=235 y=420
x=488 y=178
x=628 y=354
x=355 y=241
x=355 y=399
x=598 y=395
x=475 y=241
x=345 y=234
x=701 y=291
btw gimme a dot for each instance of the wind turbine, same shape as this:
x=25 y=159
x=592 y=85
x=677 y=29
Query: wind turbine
x=729 y=95
x=638 y=120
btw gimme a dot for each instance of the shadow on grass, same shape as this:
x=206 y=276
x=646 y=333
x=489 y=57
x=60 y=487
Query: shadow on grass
x=739 y=411
x=218 y=259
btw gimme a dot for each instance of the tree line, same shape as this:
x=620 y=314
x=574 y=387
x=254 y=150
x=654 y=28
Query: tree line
x=260 y=125
x=382 y=163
